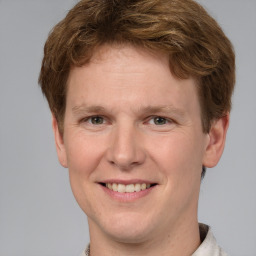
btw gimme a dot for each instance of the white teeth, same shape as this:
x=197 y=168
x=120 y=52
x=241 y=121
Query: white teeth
x=114 y=187
x=130 y=188
x=143 y=186
x=137 y=188
x=121 y=188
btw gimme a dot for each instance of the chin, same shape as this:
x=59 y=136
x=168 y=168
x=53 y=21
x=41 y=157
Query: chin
x=129 y=228
x=129 y=235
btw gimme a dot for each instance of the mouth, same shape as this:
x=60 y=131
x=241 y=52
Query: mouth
x=128 y=188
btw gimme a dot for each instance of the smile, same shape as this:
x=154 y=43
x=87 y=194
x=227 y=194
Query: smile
x=125 y=191
x=129 y=188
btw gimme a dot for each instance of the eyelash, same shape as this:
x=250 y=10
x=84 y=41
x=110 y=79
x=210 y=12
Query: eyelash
x=166 y=120
x=87 y=119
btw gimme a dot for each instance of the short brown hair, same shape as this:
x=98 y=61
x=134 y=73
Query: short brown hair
x=182 y=29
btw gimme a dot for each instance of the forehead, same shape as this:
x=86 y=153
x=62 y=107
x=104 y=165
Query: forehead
x=122 y=62
x=125 y=74
x=123 y=58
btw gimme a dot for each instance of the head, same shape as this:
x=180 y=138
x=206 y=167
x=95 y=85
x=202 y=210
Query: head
x=178 y=34
x=181 y=29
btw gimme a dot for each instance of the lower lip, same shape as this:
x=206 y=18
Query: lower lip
x=127 y=197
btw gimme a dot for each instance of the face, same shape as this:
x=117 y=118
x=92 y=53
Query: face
x=133 y=144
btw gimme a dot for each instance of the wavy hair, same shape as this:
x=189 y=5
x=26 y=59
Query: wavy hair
x=182 y=29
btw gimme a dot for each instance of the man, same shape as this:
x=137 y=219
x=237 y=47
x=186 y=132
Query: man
x=140 y=94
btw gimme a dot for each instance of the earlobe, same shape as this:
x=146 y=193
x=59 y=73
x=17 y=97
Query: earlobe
x=59 y=143
x=216 y=142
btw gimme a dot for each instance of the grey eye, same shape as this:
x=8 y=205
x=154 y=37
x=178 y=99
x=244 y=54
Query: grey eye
x=159 y=120
x=97 y=120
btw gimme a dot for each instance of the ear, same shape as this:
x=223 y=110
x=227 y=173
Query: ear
x=216 y=142
x=59 y=143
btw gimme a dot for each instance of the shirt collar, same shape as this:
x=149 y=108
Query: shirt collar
x=209 y=245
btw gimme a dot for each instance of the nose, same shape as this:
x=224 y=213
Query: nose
x=126 y=148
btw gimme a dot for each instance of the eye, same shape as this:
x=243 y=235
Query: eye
x=95 y=120
x=158 y=120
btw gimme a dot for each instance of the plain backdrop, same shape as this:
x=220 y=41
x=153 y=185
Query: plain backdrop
x=38 y=214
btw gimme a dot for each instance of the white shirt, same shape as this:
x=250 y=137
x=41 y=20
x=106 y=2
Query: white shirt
x=208 y=247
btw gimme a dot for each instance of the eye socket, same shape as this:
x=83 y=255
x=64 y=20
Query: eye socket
x=158 y=120
x=96 y=120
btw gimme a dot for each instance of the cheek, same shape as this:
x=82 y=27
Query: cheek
x=83 y=154
x=181 y=166
x=179 y=155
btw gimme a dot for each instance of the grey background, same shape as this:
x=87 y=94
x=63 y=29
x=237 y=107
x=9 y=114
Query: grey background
x=38 y=214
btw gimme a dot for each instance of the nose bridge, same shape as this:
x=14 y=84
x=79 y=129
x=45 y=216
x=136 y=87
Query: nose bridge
x=126 y=150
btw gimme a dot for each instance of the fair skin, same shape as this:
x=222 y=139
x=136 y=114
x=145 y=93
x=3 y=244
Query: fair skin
x=128 y=120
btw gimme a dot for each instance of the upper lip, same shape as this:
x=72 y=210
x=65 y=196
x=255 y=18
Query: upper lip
x=127 y=182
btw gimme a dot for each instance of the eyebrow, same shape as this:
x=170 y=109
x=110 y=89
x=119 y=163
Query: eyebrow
x=83 y=108
x=87 y=109
x=163 y=109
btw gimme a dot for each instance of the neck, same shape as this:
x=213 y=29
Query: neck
x=182 y=240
